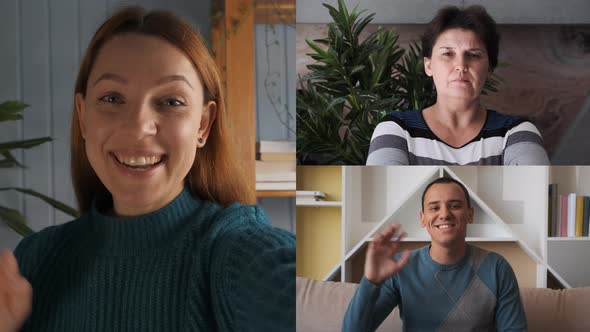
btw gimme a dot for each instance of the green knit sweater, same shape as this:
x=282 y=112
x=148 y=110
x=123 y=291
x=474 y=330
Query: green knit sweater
x=190 y=266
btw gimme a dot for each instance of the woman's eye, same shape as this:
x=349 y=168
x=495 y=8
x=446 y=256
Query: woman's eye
x=474 y=56
x=172 y=102
x=447 y=54
x=111 y=99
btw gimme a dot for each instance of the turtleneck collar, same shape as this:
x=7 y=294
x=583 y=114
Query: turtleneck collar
x=125 y=236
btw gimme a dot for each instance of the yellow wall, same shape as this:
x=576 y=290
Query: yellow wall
x=318 y=241
x=319 y=229
x=321 y=178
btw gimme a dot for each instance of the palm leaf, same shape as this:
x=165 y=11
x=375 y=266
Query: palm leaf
x=54 y=203
x=24 y=144
x=15 y=220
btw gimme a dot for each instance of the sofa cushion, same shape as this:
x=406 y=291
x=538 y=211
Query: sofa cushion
x=557 y=310
x=321 y=306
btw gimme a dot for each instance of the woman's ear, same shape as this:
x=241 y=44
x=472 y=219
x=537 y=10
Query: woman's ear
x=207 y=118
x=427 y=69
x=79 y=107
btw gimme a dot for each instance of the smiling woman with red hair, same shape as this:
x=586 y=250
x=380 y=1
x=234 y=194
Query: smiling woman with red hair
x=164 y=242
x=460 y=49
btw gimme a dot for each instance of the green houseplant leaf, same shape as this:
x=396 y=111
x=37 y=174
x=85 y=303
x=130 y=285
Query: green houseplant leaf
x=10 y=111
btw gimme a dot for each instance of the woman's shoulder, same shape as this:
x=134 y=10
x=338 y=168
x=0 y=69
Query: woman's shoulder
x=238 y=220
x=34 y=247
x=496 y=120
x=408 y=118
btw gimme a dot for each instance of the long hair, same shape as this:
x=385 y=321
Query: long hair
x=215 y=174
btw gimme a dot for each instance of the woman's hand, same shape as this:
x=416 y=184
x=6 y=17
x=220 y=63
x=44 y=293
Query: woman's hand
x=16 y=294
x=379 y=263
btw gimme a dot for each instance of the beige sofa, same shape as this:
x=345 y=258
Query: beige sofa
x=321 y=307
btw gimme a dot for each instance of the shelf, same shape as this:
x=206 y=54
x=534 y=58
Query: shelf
x=321 y=204
x=468 y=239
x=556 y=239
x=275 y=193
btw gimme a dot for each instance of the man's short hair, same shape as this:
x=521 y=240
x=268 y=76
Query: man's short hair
x=447 y=180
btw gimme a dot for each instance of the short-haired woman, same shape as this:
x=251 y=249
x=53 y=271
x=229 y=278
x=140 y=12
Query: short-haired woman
x=460 y=49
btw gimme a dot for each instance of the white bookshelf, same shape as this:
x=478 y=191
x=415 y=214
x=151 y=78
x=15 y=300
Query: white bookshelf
x=569 y=256
x=510 y=206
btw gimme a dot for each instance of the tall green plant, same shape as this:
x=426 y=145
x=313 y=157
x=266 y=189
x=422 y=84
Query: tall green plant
x=12 y=111
x=352 y=85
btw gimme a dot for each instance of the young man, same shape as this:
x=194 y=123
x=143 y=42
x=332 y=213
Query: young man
x=448 y=285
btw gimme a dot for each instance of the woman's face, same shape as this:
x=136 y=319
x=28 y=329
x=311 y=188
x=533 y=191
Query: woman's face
x=459 y=65
x=141 y=119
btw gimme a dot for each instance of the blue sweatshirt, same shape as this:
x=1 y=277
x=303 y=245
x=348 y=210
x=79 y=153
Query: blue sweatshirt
x=477 y=293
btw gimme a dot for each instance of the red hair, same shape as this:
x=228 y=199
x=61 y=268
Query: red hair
x=215 y=174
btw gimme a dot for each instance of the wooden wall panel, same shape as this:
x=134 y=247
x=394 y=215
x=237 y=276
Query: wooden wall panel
x=548 y=77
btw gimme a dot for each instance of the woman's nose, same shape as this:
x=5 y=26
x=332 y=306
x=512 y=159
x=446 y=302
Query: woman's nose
x=142 y=121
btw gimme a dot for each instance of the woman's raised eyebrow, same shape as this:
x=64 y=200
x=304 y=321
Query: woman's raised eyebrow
x=171 y=78
x=110 y=76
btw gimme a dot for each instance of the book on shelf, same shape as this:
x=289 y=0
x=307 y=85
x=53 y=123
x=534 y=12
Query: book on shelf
x=552 y=227
x=275 y=147
x=285 y=185
x=579 y=215
x=277 y=156
x=558 y=216
x=275 y=171
x=586 y=217
x=571 y=215
x=563 y=215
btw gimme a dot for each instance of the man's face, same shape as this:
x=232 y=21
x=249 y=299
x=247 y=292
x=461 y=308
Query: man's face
x=446 y=214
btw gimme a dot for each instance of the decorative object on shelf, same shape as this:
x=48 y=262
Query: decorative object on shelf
x=310 y=197
x=11 y=111
x=353 y=83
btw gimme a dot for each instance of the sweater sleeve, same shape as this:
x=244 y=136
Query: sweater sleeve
x=370 y=305
x=524 y=146
x=510 y=315
x=389 y=145
x=253 y=274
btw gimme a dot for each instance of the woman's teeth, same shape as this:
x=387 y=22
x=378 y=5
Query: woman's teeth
x=140 y=161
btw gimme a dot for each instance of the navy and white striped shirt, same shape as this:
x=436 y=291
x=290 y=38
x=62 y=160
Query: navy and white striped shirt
x=403 y=138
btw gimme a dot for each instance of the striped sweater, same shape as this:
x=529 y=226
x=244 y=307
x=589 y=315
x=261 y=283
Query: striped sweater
x=190 y=266
x=403 y=138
